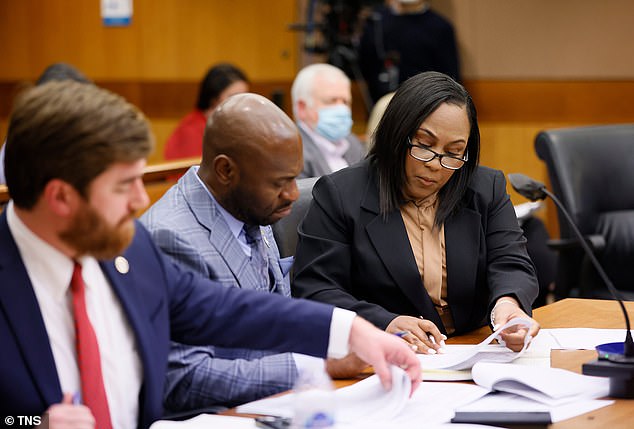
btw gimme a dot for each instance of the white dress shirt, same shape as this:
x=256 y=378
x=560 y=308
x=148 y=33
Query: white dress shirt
x=50 y=273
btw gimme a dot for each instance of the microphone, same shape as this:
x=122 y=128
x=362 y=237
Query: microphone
x=616 y=360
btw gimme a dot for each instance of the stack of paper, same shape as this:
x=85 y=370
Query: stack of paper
x=564 y=394
x=550 y=386
x=457 y=360
x=367 y=405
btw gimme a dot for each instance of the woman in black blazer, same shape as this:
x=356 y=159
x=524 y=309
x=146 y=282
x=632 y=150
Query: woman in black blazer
x=419 y=197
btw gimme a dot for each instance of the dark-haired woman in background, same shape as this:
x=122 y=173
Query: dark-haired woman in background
x=220 y=82
x=54 y=72
x=418 y=237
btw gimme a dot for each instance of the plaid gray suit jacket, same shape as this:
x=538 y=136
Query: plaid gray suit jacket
x=187 y=225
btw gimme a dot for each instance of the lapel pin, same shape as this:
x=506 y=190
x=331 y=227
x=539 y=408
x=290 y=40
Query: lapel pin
x=121 y=264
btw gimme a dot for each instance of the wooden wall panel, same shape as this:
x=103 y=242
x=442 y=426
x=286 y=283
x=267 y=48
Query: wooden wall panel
x=167 y=40
x=590 y=101
x=543 y=39
x=529 y=65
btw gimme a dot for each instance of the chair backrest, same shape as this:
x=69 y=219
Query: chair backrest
x=591 y=170
x=285 y=230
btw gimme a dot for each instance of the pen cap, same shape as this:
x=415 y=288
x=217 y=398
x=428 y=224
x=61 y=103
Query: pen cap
x=314 y=398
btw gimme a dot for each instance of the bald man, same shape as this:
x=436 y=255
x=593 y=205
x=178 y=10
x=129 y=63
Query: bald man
x=252 y=154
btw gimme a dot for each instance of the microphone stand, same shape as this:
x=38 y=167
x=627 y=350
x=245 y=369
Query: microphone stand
x=619 y=367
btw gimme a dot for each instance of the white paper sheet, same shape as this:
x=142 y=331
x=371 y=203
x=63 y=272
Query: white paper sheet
x=367 y=405
x=550 y=386
x=576 y=338
x=460 y=357
x=365 y=400
x=206 y=421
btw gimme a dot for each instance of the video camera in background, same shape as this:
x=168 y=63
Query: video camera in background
x=332 y=29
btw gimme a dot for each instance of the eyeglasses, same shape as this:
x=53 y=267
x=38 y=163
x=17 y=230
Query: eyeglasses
x=425 y=154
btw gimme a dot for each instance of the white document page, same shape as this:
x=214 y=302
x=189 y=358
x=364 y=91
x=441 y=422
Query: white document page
x=434 y=403
x=465 y=356
x=363 y=400
x=206 y=421
x=550 y=386
x=367 y=405
x=577 y=338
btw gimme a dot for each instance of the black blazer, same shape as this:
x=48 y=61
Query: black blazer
x=347 y=255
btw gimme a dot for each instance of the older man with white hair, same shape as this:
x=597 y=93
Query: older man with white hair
x=321 y=104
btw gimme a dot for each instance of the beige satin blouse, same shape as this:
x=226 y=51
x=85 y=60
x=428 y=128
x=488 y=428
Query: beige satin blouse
x=428 y=245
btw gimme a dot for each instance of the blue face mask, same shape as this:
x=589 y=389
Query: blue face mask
x=335 y=122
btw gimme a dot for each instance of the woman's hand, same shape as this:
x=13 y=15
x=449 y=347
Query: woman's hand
x=421 y=334
x=505 y=309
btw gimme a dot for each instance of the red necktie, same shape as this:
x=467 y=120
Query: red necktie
x=88 y=358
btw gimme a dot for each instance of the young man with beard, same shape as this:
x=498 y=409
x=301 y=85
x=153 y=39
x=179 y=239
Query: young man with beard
x=246 y=182
x=88 y=304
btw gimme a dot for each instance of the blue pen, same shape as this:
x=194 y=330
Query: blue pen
x=77 y=398
x=402 y=334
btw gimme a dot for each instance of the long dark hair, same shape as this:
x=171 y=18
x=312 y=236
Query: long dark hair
x=217 y=79
x=416 y=99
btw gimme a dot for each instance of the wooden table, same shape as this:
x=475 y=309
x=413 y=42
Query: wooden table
x=568 y=313
x=579 y=313
x=587 y=313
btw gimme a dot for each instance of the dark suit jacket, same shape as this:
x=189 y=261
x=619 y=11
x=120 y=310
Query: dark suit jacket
x=314 y=162
x=160 y=300
x=349 y=256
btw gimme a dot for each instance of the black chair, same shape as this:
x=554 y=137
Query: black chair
x=285 y=230
x=591 y=170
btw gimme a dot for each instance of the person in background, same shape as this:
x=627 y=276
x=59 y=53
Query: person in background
x=375 y=116
x=246 y=182
x=403 y=38
x=221 y=81
x=321 y=99
x=418 y=237
x=56 y=71
x=88 y=303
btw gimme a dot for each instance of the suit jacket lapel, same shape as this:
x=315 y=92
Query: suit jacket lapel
x=388 y=236
x=220 y=236
x=462 y=238
x=139 y=308
x=20 y=305
x=313 y=156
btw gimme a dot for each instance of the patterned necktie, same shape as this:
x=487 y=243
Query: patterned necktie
x=88 y=357
x=253 y=236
